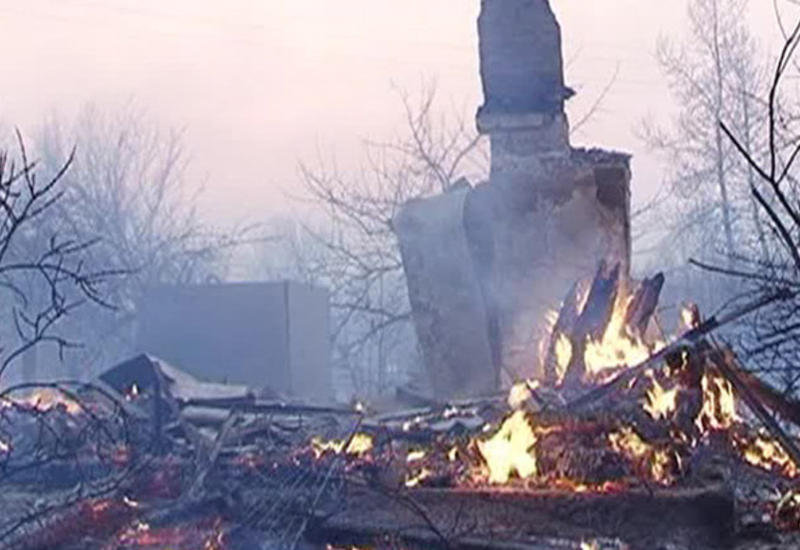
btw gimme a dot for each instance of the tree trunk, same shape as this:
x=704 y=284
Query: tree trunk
x=720 y=154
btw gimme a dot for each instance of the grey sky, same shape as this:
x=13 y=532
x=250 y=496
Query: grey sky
x=259 y=84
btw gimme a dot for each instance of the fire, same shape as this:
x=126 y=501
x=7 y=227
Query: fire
x=764 y=452
x=719 y=404
x=415 y=480
x=5 y=447
x=508 y=451
x=360 y=445
x=132 y=393
x=452 y=454
x=690 y=317
x=43 y=400
x=661 y=466
x=787 y=510
x=563 y=355
x=617 y=347
x=142 y=535
x=660 y=403
x=628 y=443
x=415 y=456
x=521 y=393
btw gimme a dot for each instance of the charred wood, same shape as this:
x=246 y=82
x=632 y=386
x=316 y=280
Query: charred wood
x=692 y=518
x=643 y=304
x=592 y=321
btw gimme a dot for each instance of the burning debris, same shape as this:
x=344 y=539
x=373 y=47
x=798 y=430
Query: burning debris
x=586 y=459
x=661 y=418
x=611 y=434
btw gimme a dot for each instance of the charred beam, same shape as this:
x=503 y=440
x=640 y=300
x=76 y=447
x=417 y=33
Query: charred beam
x=690 y=518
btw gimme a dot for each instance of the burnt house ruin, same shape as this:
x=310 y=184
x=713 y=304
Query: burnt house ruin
x=485 y=265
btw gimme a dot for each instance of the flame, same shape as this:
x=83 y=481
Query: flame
x=216 y=540
x=415 y=456
x=415 y=480
x=787 y=510
x=628 y=443
x=719 y=404
x=360 y=445
x=409 y=424
x=520 y=393
x=768 y=454
x=44 y=400
x=689 y=317
x=507 y=452
x=661 y=466
x=563 y=356
x=660 y=403
x=142 y=535
x=129 y=502
x=452 y=454
x=132 y=393
x=617 y=347
x=5 y=447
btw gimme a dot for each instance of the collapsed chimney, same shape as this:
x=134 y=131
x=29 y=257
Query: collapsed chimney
x=486 y=265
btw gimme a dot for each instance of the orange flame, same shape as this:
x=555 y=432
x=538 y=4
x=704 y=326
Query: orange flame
x=719 y=404
x=415 y=456
x=618 y=347
x=416 y=479
x=563 y=356
x=520 y=393
x=360 y=445
x=660 y=403
x=508 y=451
x=629 y=444
x=768 y=454
x=43 y=400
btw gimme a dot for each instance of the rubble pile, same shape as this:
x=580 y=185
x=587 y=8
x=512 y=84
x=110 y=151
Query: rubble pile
x=630 y=438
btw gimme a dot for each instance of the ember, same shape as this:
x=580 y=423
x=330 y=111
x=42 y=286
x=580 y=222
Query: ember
x=43 y=400
x=359 y=446
x=208 y=535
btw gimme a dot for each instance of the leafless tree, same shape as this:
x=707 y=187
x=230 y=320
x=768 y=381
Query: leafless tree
x=45 y=277
x=127 y=191
x=772 y=342
x=716 y=74
x=352 y=248
x=356 y=253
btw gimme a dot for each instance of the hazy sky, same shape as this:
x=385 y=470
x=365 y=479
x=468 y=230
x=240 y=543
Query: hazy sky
x=259 y=84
